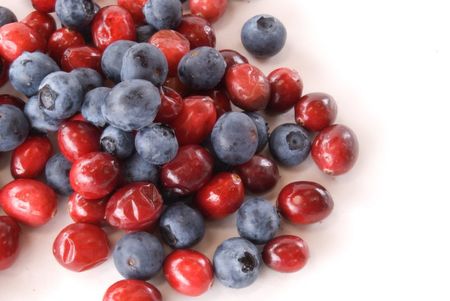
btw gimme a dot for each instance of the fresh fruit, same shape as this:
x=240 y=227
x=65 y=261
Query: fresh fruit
x=289 y=144
x=286 y=253
x=92 y=106
x=163 y=14
x=57 y=172
x=156 y=144
x=78 y=138
x=81 y=57
x=315 y=111
x=259 y=175
x=211 y=10
x=41 y=22
x=132 y=290
x=112 y=59
x=9 y=241
x=198 y=31
x=62 y=39
x=14 y=127
x=75 y=14
x=82 y=210
x=286 y=88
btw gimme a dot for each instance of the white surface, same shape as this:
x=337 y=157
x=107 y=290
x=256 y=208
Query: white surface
x=387 y=64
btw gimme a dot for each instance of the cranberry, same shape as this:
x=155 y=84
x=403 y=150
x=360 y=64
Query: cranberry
x=221 y=101
x=232 y=57
x=28 y=201
x=77 y=117
x=9 y=241
x=247 y=87
x=171 y=105
x=29 y=159
x=222 y=196
x=82 y=210
x=176 y=84
x=63 y=39
x=198 y=31
x=132 y=290
x=134 y=207
x=4 y=68
x=78 y=138
x=315 y=111
x=80 y=247
x=112 y=23
x=188 y=171
x=134 y=7
x=304 y=202
x=196 y=120
x=42 y=23
x=286 y=88
x=286 y=253
x=94 y=175
x=259 y=175
x=335 y=149
x=211 y=10
x=45 y=6
x=6 y=99
x=189 y=272
x=81 y=57
x=173 y=45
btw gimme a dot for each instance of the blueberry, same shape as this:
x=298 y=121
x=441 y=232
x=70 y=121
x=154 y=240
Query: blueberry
x=6 y=16
x=14 y=127
x=289 y=144
x=234 y=138
x=38 y=119
x=163 y=14
x=112 y=59
x=60 y=95
x=237 y=263
x=219 y=166
x=88 y=78
x=136 y=169
x=145 y=61
x=117 y=142
x=57 y=172
x=157 y=144
x=132 y=105
x=262 y=128
x=138 y=255
x=263 y=35
x=92 y=106
x=202 y=68
x=76 y=14
x=145 y=32
x=181 y=226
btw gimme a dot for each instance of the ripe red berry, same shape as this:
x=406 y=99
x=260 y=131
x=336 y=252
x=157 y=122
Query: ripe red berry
x=171 y=105
x=45 y=6
x=82 y=210
x=134 y=7
x=176 y=84
x=9 y=241
x=63 y=39
x=173 y=45
x=198 y=31
x=259 y=175
x=211 y=10
x=232 y=57
x=286 y=88
x=286 y=253
x=78 y=138
x=221 y=101
x=42 y=23
x=132 y=290
x=6 y=99
x=81 y=57
x=315 y=111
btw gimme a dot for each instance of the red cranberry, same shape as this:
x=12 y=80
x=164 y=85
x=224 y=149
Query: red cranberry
x=82 y=210
x=80 y=247
x=247 y=87
x=9 y=241
x=221 y=101
x=132 y=290
x=3 y=72
x=335 y=149
x=286 y=88
x=81 y=57
x=198 y=31
x=222 y=196
x=176 y=84
x=232 y=57
x=29 y=159
x=188 y=171
x=42 y=23
x=196 y=120
x=134 y=207
x=112 y=23
x=134 y=7
x=78 y=138
x=28 y=201
x=304 y=202
x=173 y=45
x=315 y=111
x=188 y=272
x=259 y=175
x=94 y=175
x=6 y=99
x=77 y=117
x=286 y=253
x=211 y=10
x=171 y=105
x=63 y=39
x=45 y=6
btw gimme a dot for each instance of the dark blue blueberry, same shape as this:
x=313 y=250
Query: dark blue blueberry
x=138 y=255
x=237 y=263
x=6 y=16
x=76 y=14
x=145 y=32
x=219 y=166
x=234 y=138
x=57 y=172
x=262 y=128
x=132 y=105
x=92 y=106
x=14 y=127
x=202 y=68
x=181 y=226
x=117 y=142
x=257 y=221
x=145 y=61
x=88 y=78
x=38 y=119
x=136 y=169
x=112 y=59
x=157 y=144
x=60 y=95
x=163 y=14
x=290 y=144
x=263 y=35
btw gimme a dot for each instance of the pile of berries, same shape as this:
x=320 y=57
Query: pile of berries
x=141 y=104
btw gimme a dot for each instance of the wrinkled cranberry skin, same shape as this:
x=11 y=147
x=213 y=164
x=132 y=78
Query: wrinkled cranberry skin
x=188 y=272
x=80 y=247
x=78 y=138
x=82 y=210
x=221 y=102
x=188 y=171
x=132 y=290
x=286 y=253
x=6 y=99
x=45 y=6
x=198 y=31
x=173 y=45
x=134 y=7
x=28 y=201
x=16 y=38
x=9 y=241
x=171 y=105
x=112 y=23
x=286 y=88
x=247 y=87
x=195 y=121
x=61 y=40
x=315 y=111
x=232 y=57
x=211 y=10
x=4 y=68
x=29 y=159
x=94 y=175
x=134 y=207
x=176 y=84
x=42 y=23
x=335 y=149
x=304 y=202
x=222 y=196
x=81 y=57
x=259 y=175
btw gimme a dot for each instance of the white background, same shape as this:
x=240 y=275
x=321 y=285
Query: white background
x=387 y=64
